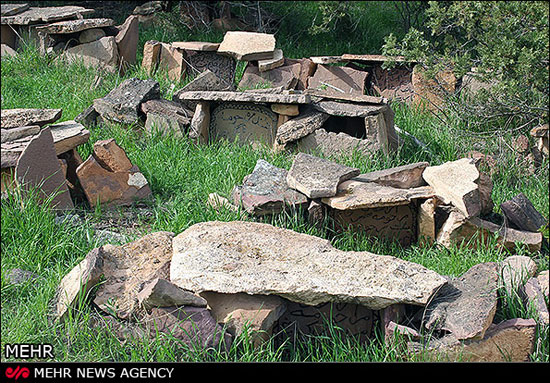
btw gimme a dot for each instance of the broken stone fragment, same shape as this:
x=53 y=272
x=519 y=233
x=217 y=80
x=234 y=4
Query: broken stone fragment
x=515 y=271
x=276 y=61
x=159 y=292
x=102 y=53
x=200 y=123
x=265 y=191
x=166 y=116
x=466 y=306
x=540 y=133
x=217 y=202
x=533 y=297
x=335 y=144
x=286 y=109
x=285 y=76
x=122 y=104
x=127 y=41
x=15 y=118
x=338 y=80
x=127 y=267
x=256 y=258
x=75 y=286
x=509 y=341
x=13 y=134
x=90 y=35
x=255 y=313
x=151 y=54
x=74 y=26
x=301 y=126
x=402 y=177
x=316 y=177
x=109 y=178
x=427 y=221
x=38 y=167
x=521 y=213
x=456 y=182
x=247 y=46
x=172 y=61
x=474 y=231
x=205 y=81
x=88 y=117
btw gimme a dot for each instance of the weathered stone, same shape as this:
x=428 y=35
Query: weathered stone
x=243 y=122
x=222 y=66
x=104 y=237
x=247 y=46
x=256 y=258
x=316 y=213
x=15 y=118
x=276 y=61
x=88 y=117
x=307 y=68
x=301 y=126
x=515 y=271
x=151 y=55
x=13 y=9
x=75 y=286
x=112 y=188
x=166 y=116
x=541 y=135
x=172 y=61
x=335 y=144
x=317 y=177
x=473 y=232
x=431 y=92
x=255 y=313
x=194 y=326
x=35 y=15
x=205 y=81
x=122 y=104
x=127 y=267
x=358 y=98
x=466 y=306
x=286 y=109
x=252 y=97
x=74 y=26
x=344 y=109
x=521 y=213
x=265 y=191
x=18 y=276
x=394 y=84
x=402 y=177
x=456 y=182
x=285 y=76
x=427 y=221
x=13 y=134
x=374 y=59
x=102 y=53
x=218 y=203
x=327 y=59
x=7 y=51
x=90 y=35
x=159 y=292
x=200 y=124
x=127 y=41
x=508 y=341
x=338 y=80
x=544 y=282
x=354 y=194
x=350 y=318
x=534 y=297
x=38 y=167
x=196 y=46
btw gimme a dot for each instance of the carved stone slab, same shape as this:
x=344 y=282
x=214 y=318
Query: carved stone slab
x=251 y=123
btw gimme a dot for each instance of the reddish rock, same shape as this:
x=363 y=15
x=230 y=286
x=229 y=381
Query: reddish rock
x=111 y=156
x=338 y=80
x=127 y=41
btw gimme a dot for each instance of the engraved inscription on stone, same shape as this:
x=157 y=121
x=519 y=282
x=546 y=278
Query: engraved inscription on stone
x=223 y=66
x=391 y=222
x=251 y=123
x=394 y=84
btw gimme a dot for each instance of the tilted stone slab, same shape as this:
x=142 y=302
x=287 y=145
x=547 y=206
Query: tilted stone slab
x=256 y=258
x=265 y=191
x=35 y=15
x=402 y=177
x=74 y=26
x=196 y=46
x=13 y=134
x=268 y=98
x=15 y=118
x=521 y=213
x=317 y=177
x=247 y=46
x=300 y=126
x=102 y=53
x=465 y=306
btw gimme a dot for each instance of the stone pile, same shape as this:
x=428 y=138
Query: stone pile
x=449 y=204
x=38 y=153
x=97 y=42
x=217 y=279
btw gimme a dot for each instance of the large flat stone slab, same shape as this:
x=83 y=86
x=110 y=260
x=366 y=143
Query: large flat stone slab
x=317 y=177
x=263 y=98
x=338 y=80
x=15 y=118
x=74 y=26
x=265 y=191
x=247 y=46
x=284 y=76
x=301 y=126
x=256 y=258
x=347 y=109
x=35 y=15
x=402 y=177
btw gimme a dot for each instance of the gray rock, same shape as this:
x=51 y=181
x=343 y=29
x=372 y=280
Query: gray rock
x=465 y=306
x=19 y=276
x=90 y=35
x=522 y=214
x=402 y=177
x=15 y=118
x=254 y=97
x=256 y=258
x=317 y=177
x=102 y=53
x=344 y=109
x=13 y=9
x=13 y=134
x=159 y=292
x=74 y=26
x=265 y=191
x=122 y=103
x=335 y=144
x=88 y=117
x=37 y=15
x=300 y=126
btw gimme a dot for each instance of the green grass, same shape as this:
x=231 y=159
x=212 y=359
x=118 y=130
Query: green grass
x=181 y=176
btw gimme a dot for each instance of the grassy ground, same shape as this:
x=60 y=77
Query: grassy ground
x=181 y=176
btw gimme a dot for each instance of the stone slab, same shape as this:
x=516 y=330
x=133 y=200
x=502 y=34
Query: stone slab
x=337 y=80
x=75 y=26
x=285 y=76
x=102 y=53
x=16 y=133
x=393 y=84
x=276 y=61
x=222 y=66
x=172 y=61
x=35 y=15
x=262 y=98
x=402 y=177
x=247 y=46
x=160 y=292
x=127 y=41
x=201 y=46
x=316 y=177
x=346 y=109
x=151 y=56
x=15 y=118
x=521 y=213
x=246 y=122
x=256 y=258
x=13 y=9
x=296 y=128
x=335 y=144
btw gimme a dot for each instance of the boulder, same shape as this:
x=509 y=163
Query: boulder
x=247 y=46
x=265 y=191
x=123 y=103
x=128 y=268
x=256 y=258
x=316 y=177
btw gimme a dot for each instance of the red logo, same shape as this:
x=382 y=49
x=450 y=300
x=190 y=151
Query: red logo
x=18 y=372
